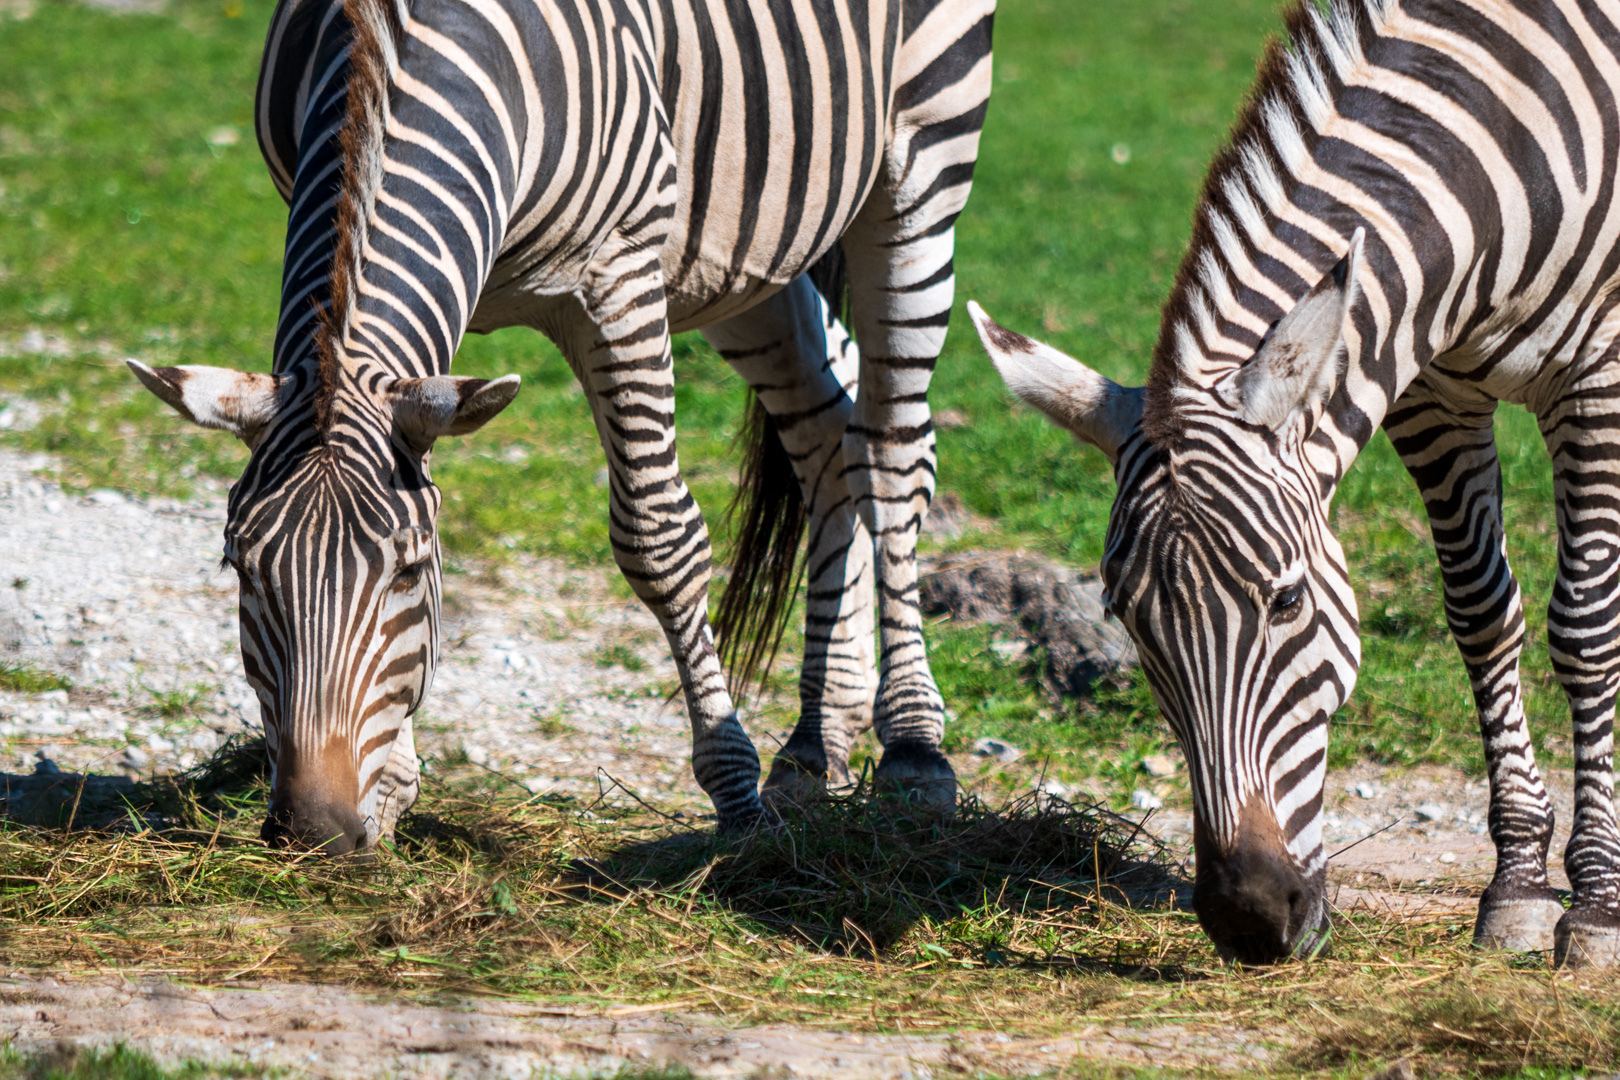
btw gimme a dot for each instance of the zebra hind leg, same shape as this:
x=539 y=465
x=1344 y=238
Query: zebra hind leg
x=1450 y=450
x=1581 y=621
x=795 y=353
x=620 y=349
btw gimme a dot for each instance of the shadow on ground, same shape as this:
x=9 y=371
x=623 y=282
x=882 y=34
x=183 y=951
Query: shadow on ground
x=49 y=798
x=857 y=874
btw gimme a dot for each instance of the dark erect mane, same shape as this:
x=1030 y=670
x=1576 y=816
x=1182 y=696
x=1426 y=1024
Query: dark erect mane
x=1298 y=74
x=376 y=25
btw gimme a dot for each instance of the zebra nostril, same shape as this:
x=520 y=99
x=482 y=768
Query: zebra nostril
x=318 y=829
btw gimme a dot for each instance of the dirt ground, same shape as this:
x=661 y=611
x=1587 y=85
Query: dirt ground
x=551 y=676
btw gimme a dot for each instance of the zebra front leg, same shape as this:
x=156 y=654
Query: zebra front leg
x=1450 y=450
x=800 y=361
x=901 y=289
x=620 y=348
x=1582 y=622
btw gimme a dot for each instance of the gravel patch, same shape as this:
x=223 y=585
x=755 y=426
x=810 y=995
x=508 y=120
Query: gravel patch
x=123 y=597
x=333 y=1032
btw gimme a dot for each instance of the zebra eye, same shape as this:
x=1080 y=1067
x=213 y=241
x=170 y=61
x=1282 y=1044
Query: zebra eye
x=1286 y=599
x=410 y=574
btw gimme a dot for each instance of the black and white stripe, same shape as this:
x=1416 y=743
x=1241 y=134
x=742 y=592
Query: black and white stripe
x=605 y=172
x=1436 y=178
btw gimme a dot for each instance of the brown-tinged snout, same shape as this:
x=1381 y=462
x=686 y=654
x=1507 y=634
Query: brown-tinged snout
x=1253 y=902
x=314 y=806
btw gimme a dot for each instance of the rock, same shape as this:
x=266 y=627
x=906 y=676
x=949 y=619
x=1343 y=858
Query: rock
x=1055 y=789
x=1159 y=766
x=1003 y=752
x=1448 y=857
x=1057 y=608
x=1143 y=799
x=1366 y=790
x=476 y=754
x=1431 y=812
x=946 y=419
x=135 y=757
x=949 y=518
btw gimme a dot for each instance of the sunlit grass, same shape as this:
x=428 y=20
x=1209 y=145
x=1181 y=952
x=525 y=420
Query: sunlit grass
x=130 y=223
x=1029 y=915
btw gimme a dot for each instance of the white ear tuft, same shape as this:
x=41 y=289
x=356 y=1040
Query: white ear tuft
x=1296 y=368
x=427 y=409
x=220 y=398
x=1097 y=410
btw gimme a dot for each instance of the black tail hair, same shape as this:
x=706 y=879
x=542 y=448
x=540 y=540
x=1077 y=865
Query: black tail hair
x=766 y=565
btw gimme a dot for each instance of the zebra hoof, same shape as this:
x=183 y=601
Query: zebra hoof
x=1587 y=937
x=1518 y=923
x=792 y=784
x=743 y=819
x=921 y=774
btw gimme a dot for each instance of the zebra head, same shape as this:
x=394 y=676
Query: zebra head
x=1221 y=565
x=332 y=538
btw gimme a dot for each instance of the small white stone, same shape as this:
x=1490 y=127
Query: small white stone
x=107 y=497
x=1431 y=812
x=1010 y=650
x=1003 y=752
x=1143 y=799
x=1159 y=765
x=1448 y=858
x=476 y=754
x=1366 y=790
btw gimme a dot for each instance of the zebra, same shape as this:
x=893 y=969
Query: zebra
x=1414 y=219
x=606 y=172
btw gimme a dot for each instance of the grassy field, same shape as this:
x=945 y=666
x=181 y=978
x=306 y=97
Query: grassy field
x=136 y=219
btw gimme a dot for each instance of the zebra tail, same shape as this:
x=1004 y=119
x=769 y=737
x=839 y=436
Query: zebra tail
x=770 y=518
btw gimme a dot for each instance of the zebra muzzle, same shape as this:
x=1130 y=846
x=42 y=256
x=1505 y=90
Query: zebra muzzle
x=1251 y=899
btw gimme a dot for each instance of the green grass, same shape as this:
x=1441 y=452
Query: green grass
x=131 y=224
x=69 y=1062
x=29 y=679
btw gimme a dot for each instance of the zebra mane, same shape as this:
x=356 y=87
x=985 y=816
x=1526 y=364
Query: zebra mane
x=377 y=26
x=1293 y=98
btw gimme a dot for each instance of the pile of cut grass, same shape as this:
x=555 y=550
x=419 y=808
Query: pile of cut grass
x=859 y=913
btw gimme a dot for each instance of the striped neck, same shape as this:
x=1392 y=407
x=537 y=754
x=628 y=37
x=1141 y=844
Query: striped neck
x=1310 y=161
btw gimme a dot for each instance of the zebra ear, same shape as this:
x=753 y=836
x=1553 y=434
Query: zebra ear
x=1296 y=368
x=220 y=398
x=1095 y=409
x=426 y=409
